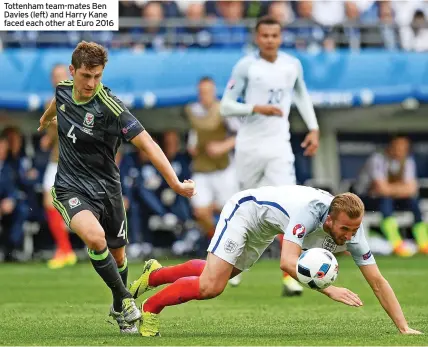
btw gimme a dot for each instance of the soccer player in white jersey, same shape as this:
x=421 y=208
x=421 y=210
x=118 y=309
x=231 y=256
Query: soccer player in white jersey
x=266 y=82
x=248 y=224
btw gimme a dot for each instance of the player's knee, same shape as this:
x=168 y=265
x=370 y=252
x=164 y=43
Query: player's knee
x=96 y=241
x=210 y=289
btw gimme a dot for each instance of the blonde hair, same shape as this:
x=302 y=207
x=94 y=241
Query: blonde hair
x=349 y=203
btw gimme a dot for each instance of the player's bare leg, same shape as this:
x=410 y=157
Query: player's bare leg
x=87 y=227
x=211 y=283
x=64 y=254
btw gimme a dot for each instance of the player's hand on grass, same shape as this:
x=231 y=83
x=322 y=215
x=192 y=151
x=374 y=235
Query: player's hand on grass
x=410 y=331
x=186 y=188
x=268 y=110
x=343 y=295
x=311 y=143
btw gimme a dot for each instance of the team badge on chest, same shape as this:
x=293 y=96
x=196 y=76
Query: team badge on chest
x=89 y=120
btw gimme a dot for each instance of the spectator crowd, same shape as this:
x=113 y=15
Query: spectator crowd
x=308 y=25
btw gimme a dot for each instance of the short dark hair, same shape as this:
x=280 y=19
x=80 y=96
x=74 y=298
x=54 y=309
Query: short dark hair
x=206 y=79
x=90 y=54
x=267 y=20
x=418 y=14
x=397 y=135
x=12 y=129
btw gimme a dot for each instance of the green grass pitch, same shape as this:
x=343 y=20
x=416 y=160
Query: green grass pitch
x=69 y=307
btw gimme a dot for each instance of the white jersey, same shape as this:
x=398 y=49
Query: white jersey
x=297 y=211
x=260 y=82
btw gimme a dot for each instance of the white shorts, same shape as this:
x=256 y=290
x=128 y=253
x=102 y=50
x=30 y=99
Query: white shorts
x=259 y=171
x=49 y=178
x=214 y=187
x=234 y=240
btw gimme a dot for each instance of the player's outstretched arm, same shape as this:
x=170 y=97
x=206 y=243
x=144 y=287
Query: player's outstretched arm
x=306 y=109
x=145 y=142
x=304 y=102
x=386 y=297
x=290 y=253
x=48 y=116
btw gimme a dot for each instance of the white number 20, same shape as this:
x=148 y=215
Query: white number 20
x=71 y=135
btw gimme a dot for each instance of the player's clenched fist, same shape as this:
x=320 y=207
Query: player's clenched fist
x=186 y=188
x=48 y=116
x=45 y=123
x=267 y=110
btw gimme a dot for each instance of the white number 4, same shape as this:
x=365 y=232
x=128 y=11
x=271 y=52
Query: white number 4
x=122 y=232
x=71 y=135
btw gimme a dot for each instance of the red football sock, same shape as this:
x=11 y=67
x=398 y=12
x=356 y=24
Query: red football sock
x=281 y=240
x=58 y=230
x=181 y=291
x=211 y=233
x=170 y=274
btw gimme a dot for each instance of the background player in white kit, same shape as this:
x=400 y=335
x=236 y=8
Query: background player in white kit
x=266 y=82
x=248 y=224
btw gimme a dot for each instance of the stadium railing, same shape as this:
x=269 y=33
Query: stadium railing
x=183 y=32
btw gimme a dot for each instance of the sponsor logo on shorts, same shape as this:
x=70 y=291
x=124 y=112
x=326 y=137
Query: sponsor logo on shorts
x=329 y=244
x=74 y=202
x=367 y=255
x=230 y=246
x=299 y=230
x=89 y=120
x=129 y=127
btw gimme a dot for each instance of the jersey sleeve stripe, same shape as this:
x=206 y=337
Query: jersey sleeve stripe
x=66 y=83
x=113 y=102
x=110 y=103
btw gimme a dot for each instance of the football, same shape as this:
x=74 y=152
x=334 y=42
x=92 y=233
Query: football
x=317 y=268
